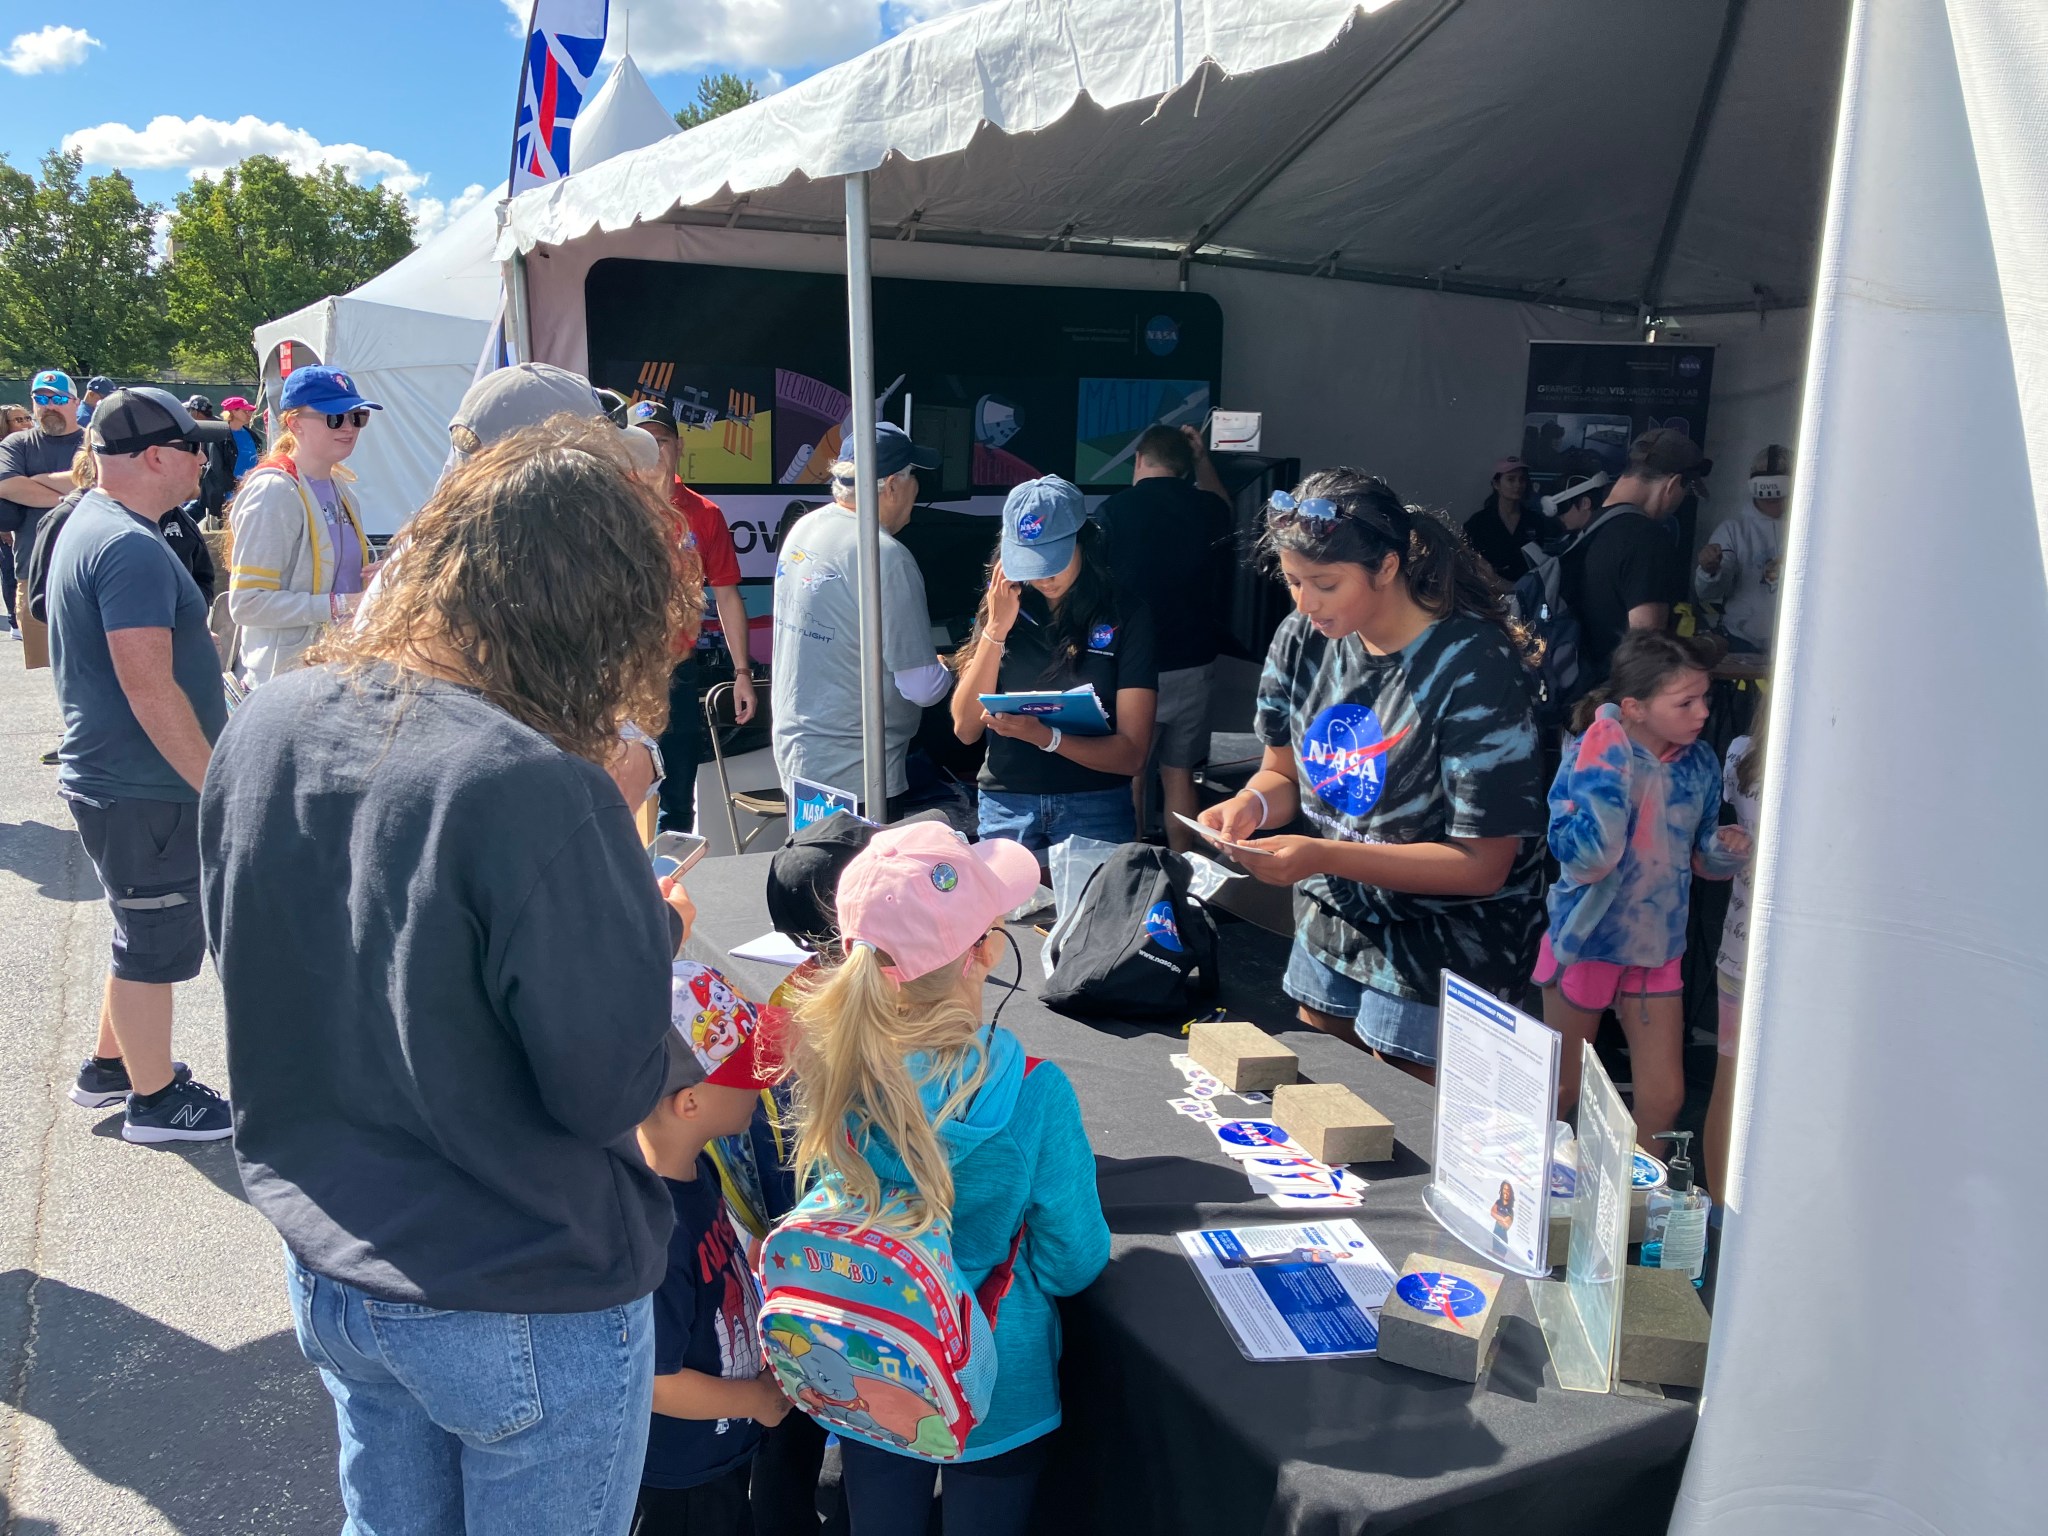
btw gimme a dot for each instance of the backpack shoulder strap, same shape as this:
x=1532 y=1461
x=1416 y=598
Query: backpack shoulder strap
x=1607 y=515
x=990 y=1293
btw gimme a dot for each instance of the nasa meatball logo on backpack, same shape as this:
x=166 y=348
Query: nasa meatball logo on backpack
x=1343 y=753
x=1161 y=928
x=1102 y=637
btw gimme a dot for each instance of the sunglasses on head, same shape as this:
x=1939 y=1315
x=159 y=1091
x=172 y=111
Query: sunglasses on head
x=1311 y=509
x=348 y=418
x=47 y=397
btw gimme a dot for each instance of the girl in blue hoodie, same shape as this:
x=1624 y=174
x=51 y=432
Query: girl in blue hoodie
x=1634 y=815
x=898 y=1082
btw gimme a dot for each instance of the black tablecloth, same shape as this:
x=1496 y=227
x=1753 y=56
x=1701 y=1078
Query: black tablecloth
x=1168 y=1427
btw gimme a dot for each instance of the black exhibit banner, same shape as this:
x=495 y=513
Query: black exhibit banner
x=1587 y=400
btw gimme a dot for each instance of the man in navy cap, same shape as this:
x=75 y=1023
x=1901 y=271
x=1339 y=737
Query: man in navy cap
x=97 y=388
x=817 y=733
x=139 y=680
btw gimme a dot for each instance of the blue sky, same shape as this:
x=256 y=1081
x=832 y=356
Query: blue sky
x=416 y=93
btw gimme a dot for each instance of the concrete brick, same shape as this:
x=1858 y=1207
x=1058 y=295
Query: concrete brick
x=1333 y=1123
x=1433 y=1336
x=1664 y=1329
x=1244 y=1057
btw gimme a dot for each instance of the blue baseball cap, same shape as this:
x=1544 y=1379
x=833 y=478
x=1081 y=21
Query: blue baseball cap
x=1041 y=520
x=54 y=381
x=895 y=451
x=321 y=388
x=99 y=384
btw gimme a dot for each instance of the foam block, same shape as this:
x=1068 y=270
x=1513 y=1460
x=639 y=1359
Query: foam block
x=1244 y=1057
x=1440 y=1317
x=1333 y=1123
x=1664 y=1329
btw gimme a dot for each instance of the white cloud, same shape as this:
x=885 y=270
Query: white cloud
x=202 y=145
x=747 y=34
x=48 y=51
x=430 y=215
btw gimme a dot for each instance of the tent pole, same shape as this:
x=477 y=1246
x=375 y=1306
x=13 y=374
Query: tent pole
x=860 y=356
x=1689 y=167
x=518 y=332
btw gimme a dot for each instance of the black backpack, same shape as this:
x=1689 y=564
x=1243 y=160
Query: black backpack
x=1141 y=946
x=1539 y=601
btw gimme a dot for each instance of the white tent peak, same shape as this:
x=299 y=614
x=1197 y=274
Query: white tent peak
x=624 y=115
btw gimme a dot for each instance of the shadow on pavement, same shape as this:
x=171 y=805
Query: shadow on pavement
x=52 y=857
x=218 y=1440
x=214 y=1161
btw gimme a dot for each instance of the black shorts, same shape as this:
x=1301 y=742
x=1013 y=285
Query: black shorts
x=147 y=856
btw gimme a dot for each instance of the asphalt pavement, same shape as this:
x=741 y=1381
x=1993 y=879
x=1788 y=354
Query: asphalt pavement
x=149 y=1382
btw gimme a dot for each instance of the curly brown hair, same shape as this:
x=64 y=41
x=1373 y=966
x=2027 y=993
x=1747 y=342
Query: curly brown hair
x=559 y=580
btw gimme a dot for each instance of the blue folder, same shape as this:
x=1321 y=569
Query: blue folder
x=1078 y=711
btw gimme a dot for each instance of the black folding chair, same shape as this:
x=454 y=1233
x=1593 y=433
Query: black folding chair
x=764 y=805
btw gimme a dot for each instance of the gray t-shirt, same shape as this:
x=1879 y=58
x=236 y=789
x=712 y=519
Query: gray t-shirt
x=112 y=570
x=34 y=452
x=817 y=652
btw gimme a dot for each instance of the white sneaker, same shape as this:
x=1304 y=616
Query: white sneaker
x=14 y=631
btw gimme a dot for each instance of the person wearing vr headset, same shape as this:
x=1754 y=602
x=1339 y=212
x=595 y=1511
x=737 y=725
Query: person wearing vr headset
x=301 y=559
x=1738 y=567
x=1395 y=712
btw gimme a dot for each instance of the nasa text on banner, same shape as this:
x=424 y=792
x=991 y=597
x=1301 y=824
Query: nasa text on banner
x=563 y=42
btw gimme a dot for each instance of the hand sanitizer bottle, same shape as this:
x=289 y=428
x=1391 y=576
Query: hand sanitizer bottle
x=1676 y=1234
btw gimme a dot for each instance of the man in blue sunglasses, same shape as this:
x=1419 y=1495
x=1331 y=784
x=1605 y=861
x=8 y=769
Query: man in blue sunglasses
x=35 y=474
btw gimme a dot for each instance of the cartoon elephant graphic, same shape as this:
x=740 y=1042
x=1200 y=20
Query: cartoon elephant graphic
x=829 y=1387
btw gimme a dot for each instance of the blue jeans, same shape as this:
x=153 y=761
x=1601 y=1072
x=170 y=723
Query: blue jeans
x=480 y=1423
x=1039 y=821
x=1393 y=1026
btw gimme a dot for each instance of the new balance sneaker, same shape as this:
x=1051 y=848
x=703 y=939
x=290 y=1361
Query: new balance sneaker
x=188 y=1111
x=101 y=1087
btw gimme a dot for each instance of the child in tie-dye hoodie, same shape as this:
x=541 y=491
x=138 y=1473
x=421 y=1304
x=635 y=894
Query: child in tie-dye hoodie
x=1634 y=816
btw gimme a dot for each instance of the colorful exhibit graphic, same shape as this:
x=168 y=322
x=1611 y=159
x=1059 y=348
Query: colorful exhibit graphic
x=723 y=417
x=1112 y=414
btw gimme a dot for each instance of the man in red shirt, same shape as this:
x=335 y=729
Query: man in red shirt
x=725 y=618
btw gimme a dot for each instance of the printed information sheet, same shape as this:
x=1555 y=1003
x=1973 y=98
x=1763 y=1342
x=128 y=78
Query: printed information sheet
x=1496 y=1104
x=1308 y=1292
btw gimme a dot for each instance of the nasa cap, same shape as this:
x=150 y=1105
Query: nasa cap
x=1041 y=520
x=924 y=896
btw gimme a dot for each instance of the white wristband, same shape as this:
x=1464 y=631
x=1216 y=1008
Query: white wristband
x=1265 y=810
x=1054 y=744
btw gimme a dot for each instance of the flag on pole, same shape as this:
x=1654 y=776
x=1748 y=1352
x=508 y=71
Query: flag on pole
x=563 y=41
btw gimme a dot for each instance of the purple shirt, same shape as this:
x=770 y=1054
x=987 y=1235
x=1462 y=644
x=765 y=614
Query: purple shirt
x=348 y=549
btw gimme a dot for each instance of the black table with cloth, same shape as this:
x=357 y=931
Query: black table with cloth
x=1168 y=1427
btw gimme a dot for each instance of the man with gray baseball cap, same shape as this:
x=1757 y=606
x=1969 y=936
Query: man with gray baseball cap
x=523 y=395
x=140 y=684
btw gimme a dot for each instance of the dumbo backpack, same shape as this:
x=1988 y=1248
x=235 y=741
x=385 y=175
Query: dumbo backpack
x=873 y=1334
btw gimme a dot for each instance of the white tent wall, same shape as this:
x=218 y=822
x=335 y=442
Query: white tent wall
x=1879 y=1334
x=1424 y=388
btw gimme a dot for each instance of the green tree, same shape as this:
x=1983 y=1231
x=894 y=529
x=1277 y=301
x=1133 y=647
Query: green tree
x=260 y=241
x=717 y=95
x=77 y=290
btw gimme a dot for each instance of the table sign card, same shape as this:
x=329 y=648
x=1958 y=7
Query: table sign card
x=1496 y=1093
x=1581 y=1314
x=809 y=802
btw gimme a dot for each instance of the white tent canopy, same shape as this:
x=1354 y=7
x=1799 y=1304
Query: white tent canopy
x=410 y=337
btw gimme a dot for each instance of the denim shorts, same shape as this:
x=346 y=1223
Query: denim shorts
x=1039 y=821
x=1393 y=1026
x=146 y=853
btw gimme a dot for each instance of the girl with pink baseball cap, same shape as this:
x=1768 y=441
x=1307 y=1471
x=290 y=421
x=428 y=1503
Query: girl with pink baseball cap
x=898 y=1081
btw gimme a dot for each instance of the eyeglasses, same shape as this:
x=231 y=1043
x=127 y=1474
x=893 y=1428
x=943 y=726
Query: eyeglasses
x=351 y=418
x=44 y=397
x=1313 y=509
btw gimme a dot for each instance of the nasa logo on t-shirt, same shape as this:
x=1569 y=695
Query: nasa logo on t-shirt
x=1102 y=637
x=1429 y=1291
x=1161 y=929
x=1162 y=335
x=1029 y=528
x=945 y=877
x=1343 y=753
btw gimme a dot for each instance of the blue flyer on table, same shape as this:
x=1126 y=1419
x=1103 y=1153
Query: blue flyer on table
x=1078 y=711
x=1307 y=1292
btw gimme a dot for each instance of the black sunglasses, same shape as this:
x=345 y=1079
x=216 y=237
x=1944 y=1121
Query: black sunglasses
x=182 y=446
x=353 y=418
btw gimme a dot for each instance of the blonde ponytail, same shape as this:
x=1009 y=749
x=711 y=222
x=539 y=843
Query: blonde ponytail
x=856 y=1031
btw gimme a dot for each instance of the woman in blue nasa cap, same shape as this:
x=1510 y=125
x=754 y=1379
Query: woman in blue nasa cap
x=1052 y=620
x=300 y=557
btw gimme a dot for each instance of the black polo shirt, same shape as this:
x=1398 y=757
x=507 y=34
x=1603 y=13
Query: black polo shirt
x=1629 y=561
x=1119 y=655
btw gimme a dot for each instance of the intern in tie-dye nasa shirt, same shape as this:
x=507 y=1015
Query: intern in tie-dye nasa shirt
x=1429 y=743
x=1629 y=833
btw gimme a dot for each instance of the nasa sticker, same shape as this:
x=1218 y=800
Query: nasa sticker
x=1102 y=637
x=1564 y=1182
x=1253 y=1138
x=1162 y=335
x=944 y=877
x=1645 y=1172
x=1030 y=528
x=1451 y=1295
x=1343 y=754
x=1161 y=929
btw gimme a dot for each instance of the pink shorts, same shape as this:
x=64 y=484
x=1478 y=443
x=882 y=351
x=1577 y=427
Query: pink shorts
x=1594 y=984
